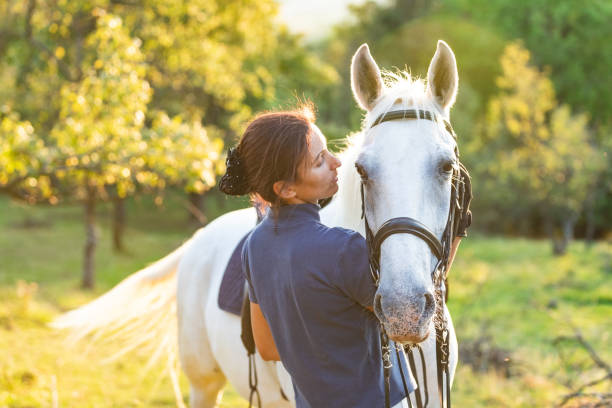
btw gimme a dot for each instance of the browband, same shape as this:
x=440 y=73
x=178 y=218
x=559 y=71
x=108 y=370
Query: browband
x=412 y=114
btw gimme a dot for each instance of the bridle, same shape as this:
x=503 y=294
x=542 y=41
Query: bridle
x=440 y=248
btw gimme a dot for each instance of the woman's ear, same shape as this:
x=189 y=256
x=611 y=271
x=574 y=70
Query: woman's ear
x=284 y=190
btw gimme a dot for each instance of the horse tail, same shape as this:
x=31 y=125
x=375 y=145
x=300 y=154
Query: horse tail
x=138 y=313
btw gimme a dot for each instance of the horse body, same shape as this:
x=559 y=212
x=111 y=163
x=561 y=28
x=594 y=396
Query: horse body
x=209 y=344
x=208 y=335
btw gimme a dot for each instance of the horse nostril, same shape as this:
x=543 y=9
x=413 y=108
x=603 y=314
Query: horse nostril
x=430 y=303
x=378 y=305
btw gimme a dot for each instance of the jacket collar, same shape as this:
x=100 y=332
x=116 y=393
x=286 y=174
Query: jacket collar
x=297 y=212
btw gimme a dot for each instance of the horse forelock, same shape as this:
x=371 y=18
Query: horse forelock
x=401 y=88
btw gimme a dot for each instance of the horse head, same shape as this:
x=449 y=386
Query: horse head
x=406 y=168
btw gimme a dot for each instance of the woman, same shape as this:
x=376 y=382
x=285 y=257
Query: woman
x=310 y=287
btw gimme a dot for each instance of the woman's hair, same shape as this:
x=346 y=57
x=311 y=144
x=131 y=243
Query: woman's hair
x=272 y=148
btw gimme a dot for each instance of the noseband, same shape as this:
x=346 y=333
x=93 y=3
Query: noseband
x=439 y=247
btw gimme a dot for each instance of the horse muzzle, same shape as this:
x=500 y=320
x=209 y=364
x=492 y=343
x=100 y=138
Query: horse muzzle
x=406 y=319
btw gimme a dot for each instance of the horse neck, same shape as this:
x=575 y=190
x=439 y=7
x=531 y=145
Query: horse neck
x=345 y=209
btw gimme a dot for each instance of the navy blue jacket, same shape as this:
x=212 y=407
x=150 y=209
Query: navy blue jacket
x=312 y=284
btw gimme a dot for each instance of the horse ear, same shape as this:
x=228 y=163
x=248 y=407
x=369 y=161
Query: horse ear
x=442 y=77
x=366 y=81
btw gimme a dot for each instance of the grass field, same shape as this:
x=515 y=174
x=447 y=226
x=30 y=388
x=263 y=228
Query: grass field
x=509 y=299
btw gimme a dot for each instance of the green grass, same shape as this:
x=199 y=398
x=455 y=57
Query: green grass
x=524 y=298
x=511 y=290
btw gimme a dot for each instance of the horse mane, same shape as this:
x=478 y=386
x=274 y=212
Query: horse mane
x=400 y=88
x=348 y=196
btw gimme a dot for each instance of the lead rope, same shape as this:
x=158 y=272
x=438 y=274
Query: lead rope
x=442 y=366
x=386 y=360
x=399 y=362
x=424 y=368
x=417 y=391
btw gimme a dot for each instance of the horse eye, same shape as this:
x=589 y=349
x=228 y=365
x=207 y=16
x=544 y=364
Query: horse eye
x=362 y=173
x=448 y=166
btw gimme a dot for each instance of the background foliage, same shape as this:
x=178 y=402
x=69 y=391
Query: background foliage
x=88 y=73
x=108 y=103
x=564 y=47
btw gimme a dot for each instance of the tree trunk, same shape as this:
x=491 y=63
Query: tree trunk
x=568 y=229
x=118 y=224
x=563 y=239
x=589 y=234
x=91 y=240
x=195 y=209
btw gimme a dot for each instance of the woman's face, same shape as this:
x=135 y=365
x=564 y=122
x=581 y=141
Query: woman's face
x=318 y=176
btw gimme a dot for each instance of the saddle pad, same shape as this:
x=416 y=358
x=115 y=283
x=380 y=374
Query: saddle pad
x=231 y=291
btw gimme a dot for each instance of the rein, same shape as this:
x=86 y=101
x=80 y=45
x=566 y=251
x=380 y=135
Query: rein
x=439 y=247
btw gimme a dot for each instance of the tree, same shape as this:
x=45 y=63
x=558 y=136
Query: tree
x=539 y=156
x=122 y=97
x=22 y=154
x=99 y=147
x=99 y=123
x=569 y=37
x=402 y=35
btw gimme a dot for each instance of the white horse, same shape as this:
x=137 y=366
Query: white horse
x=403 y=160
